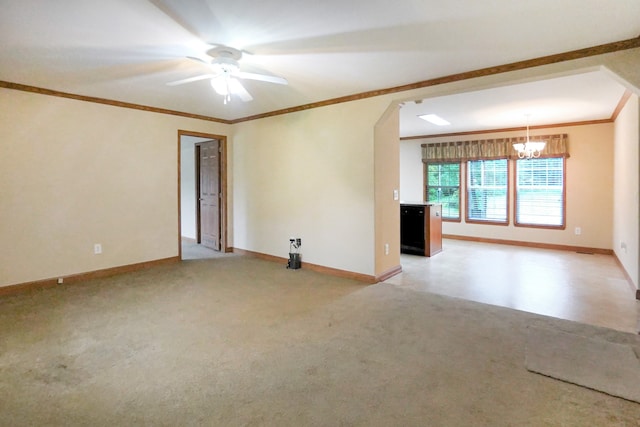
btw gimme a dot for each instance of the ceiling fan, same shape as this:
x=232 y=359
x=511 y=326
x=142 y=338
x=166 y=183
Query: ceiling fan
x=225 y=72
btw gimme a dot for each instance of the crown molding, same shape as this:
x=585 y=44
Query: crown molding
x=104 y=101
x=482 y=72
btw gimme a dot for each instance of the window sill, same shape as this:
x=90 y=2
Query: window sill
x=485 y=222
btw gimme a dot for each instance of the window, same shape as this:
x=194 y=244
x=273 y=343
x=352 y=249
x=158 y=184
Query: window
x=443 y=186
x=487 y=188
x=540 y=192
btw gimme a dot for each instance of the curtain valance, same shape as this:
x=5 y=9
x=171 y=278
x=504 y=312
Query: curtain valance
x=491 y=149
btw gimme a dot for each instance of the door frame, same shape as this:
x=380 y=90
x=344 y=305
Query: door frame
x=224 y=247
x=197 y=195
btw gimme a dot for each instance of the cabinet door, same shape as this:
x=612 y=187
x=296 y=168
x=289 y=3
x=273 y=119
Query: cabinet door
x=412 y=229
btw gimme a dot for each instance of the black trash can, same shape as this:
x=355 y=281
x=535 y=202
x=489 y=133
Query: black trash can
x=294 y=261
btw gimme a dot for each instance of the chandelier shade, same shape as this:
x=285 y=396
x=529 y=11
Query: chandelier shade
x=529 y=149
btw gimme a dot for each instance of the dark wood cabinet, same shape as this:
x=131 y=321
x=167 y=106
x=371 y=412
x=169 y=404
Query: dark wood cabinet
x=421 y=229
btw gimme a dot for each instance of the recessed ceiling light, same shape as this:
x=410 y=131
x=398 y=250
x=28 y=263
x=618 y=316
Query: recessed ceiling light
x=436 y=120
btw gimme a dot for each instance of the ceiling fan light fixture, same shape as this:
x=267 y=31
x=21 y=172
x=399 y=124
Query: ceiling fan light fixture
x=220 y=86
x=226 y=65
x=235 y=87
x=225 y=73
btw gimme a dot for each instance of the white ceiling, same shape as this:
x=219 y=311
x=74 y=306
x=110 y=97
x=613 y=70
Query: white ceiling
x=592 y=95
x=127 y=50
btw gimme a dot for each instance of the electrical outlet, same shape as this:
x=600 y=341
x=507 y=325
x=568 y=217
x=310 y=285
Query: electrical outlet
x=97 y=248
x=386 y=249
x=578 y=231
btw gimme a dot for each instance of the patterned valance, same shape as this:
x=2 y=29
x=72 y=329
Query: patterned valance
x=490 y=149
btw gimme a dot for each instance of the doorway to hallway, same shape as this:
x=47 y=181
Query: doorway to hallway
x=202 y=195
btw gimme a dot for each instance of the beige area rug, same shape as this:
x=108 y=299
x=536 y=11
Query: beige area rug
x=596 y=363
x=243 y=342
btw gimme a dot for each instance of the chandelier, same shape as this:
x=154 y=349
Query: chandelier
x=530 y=149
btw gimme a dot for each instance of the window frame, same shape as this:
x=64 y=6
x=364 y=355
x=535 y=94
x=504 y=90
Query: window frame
x=469 y=220
x=563 y=226
x=426 y=188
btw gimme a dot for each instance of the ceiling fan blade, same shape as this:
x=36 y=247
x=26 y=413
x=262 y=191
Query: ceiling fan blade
x=237 y=89
x=191 y=79
x=195 y=58
x=262 y=77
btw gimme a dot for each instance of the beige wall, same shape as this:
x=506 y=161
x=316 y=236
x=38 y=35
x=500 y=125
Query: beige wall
x=589 y=183
x=75 y=173
x=411 y=172
x=310 y=175
x=387 y=182
x=626 y=185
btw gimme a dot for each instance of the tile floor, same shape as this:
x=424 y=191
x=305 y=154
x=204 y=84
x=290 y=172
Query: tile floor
x=585 y=288
x=191 y=251
x=589 y=289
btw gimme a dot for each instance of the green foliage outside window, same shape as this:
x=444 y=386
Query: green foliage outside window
x=443 y=186
x=487 y=190
x=540 y=192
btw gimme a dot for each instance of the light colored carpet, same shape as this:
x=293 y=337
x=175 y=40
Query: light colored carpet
x=596 y=363
x=237 y=341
